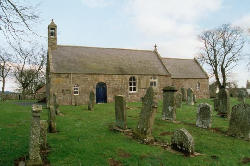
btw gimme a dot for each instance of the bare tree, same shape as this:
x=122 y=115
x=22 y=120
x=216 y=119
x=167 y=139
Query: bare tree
x=16 y=17
x=5 y=67
x=29 y=68
x=221 y=50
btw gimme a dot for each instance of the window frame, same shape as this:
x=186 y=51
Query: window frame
x=76 y=89
x=52 y=30
x=198 y=86
x=153 y=80
x=133 y=81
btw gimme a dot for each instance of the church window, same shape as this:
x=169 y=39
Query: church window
x=132 y=84
x=153 y=82
x=52 y=32
x=76 y=89
x=198 y=86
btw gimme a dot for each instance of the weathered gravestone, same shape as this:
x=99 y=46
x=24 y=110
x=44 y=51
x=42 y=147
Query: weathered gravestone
x=146 y=117
x=91 y=101
x=184 y=94
x=194 y=98
x=190 y=97
x=120 y=112
x=43 y=134
x=52 y=119
x=239 y=125
x=204 y=116
x=169 y=106
x=34 y=144
x=178 y=99
x=55 y=104
x=183 y=141
x=224 y=103
x=241 y=96
x=216 y=104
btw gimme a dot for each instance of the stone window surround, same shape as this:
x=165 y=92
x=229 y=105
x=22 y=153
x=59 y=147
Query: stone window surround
x=198 y=86
x=153 y=80
x=134 y=81
x=76 y=90
x=52 y=32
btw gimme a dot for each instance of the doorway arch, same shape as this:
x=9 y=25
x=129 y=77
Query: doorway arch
x=101 y=92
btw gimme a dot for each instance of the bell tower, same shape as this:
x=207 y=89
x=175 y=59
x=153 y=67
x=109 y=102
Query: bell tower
x=52 y=35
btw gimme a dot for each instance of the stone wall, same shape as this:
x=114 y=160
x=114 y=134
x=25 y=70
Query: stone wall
x=203 y=92
x=62 y=85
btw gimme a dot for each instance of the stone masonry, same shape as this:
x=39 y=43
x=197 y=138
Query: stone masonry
x=43 y=134
x=169 y=106
x=224 y=103
x=91 y=101
x=120 y=112
x=204 y=116
x=178 y=99
x=190 y=97
x=184 y=94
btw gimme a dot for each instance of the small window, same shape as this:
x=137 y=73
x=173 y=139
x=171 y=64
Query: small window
x=132 y=84
x=153 y=82
x=76 y=90
x=198 y=86
x=52 y=32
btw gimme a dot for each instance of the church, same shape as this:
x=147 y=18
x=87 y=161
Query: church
x=73 y=71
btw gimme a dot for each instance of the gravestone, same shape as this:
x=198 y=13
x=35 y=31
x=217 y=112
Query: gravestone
x=183 y=141
x=184 y=94
x=169 y=106
x=190 y=97
x=204 y=116
x=241 y=96
x=216 y=104
x=43 y=134
x=194 y=98
x=178 y=99
x=146 y=117
x=120 y=112
x=34 y=144
x=55 y=104
x=239 y=125
x=91 y=101
x=52 y=119
x=224 y=103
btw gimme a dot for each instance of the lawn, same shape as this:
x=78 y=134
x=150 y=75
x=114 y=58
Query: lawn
x=84 y=138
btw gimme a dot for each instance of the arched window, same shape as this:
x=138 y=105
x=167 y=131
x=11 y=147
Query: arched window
x=52 y=32
x=76 y=89
x=132 y=84
x=198 y=86
x=153 y=81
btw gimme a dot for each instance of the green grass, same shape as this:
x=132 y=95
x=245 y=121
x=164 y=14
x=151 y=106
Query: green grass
x=85 y=139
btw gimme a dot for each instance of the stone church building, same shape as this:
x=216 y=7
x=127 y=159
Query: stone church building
x=73 y=71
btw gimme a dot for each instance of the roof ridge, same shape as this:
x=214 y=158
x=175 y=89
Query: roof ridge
x=177 y=58
x=106 y=48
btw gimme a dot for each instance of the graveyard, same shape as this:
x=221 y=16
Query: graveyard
x=85 y=137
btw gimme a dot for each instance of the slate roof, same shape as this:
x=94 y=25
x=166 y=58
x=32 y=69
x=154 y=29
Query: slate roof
x=184 y=68
x=94 y=60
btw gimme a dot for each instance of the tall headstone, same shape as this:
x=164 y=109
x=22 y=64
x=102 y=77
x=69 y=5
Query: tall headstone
x=147 y=117
x=178 y=99
x=55 y=104
x=194 y=98
x=183 y=141
x=224 y=103
x=241 y=96
x=52 y=119
x=239 y=125
x=204 y=116
x=216 y=104
x=91 y=101
x=190 y=97
x=184 y=94
x=34 y=144
x=120 y=112
x=169 y=105
x=43 y=134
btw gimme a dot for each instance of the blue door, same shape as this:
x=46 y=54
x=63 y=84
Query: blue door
x=101 y=93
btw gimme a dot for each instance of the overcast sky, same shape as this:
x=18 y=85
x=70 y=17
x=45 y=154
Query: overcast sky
x=172 y=24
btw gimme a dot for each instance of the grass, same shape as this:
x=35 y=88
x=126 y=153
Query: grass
x=85 y=139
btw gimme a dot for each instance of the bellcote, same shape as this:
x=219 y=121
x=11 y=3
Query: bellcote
x=52 y=35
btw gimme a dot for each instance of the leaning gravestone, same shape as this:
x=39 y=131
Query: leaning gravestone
x=190 y=97
x=34 y=144
x=184 y=94
x=241 y=96
x=120 y=112
x=216 y=104
x=239 y=125
x=178 y=99
x=146 y=117
x=169 y=106
x=204 y=114
x=43 y=134
x=52 y=119
x=224 y=103
x=183 y=141
x=91 y=101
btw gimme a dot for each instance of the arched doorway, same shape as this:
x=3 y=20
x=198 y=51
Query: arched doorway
x=101 y=92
